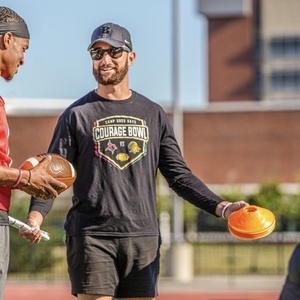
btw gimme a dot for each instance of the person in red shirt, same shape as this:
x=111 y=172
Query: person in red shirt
x=14 y=41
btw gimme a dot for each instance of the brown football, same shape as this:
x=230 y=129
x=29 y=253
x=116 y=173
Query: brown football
x=59 y=168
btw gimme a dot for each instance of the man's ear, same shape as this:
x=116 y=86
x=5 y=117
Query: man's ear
x=131 y=58
x=7 y=40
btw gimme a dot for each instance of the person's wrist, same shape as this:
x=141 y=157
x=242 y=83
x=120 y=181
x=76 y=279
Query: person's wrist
x=28 y=180
x=19 y=179
x=225 y=209
x=25 y=181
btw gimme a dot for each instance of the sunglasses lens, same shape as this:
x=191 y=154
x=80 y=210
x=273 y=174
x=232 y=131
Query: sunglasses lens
x=116 y=52
x=97 y=54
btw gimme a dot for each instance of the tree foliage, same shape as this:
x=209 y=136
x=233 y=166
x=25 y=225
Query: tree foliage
x=26 y=257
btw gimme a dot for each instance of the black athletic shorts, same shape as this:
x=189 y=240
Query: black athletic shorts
x=125 y=267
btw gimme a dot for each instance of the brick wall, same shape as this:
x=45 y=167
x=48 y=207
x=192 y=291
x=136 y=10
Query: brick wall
x=230 y=54
x=29 y=135
x=220 y=147
x=243 y=147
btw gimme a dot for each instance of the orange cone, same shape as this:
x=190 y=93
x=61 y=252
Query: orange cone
x=251 y=222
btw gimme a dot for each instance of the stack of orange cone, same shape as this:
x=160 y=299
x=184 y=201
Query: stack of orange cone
x=251 y=222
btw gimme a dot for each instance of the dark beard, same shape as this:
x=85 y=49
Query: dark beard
x=113 y=80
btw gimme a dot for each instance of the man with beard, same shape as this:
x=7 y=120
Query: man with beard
x=117 y=140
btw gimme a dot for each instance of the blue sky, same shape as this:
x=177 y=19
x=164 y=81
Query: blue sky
x=57 y=64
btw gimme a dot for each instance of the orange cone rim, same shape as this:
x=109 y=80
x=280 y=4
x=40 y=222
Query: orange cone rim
x=251 y=222
x=251 y=236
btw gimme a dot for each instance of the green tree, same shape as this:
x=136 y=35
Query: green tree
x=285 y=206
x=25 y=256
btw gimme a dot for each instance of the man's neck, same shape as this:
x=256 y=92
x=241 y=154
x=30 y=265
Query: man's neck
x=114 y=92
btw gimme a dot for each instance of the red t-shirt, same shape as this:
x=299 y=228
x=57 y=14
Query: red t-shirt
x=5 y=160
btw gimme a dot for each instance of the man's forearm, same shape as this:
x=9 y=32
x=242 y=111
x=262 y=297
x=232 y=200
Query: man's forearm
x=34 y=217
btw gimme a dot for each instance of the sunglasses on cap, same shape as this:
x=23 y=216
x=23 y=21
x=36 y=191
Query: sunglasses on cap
x=98 y=53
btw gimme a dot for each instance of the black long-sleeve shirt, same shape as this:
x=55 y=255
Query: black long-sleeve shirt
x=117 y=147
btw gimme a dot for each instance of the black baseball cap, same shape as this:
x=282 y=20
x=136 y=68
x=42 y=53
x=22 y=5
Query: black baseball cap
x=111 y=34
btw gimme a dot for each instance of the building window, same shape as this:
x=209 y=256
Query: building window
x=285 y=46
x=285 y=80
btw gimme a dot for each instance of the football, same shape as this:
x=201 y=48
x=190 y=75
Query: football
x=59 y=168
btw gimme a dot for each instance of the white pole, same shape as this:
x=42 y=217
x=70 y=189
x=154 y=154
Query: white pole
x=178 y=236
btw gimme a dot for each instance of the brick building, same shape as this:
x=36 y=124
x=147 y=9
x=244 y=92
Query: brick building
x=253 y=49
x=249 y=131
x=225 y=143
x=243 y=144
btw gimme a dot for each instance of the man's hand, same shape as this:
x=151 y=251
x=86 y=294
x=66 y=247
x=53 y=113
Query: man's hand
x=34 y=220
x=41 y=184
x=225 y=209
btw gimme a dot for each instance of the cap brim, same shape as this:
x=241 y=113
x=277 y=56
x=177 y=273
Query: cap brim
x=107 y=41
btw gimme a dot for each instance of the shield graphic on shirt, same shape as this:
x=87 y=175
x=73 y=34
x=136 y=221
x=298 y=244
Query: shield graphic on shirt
x=121 y=140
